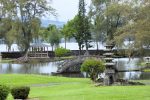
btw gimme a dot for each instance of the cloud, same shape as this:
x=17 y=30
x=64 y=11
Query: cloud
x=66 y=9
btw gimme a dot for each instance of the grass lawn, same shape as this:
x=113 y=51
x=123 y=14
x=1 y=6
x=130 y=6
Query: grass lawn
x=60 y=88
x=6 y=60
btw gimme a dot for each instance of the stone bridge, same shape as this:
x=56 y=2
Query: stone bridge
x=73 y=65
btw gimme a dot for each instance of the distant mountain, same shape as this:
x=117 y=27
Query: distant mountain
x=45 y=23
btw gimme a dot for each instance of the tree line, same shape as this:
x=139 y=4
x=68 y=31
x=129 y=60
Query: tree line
x=109 y=21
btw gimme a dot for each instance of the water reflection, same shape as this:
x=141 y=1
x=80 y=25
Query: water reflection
x=128 y=64
x=48 y=68
x=40 y=68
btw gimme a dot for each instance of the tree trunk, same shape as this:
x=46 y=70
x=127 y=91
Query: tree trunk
x=65 y=42
x=97 y=45
x=79 y=50
x=87 y=51
x=26 y=50
x=52 y=48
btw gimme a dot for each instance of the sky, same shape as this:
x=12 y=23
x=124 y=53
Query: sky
x=66 y=9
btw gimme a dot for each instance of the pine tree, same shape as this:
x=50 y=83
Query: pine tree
x=84 y=25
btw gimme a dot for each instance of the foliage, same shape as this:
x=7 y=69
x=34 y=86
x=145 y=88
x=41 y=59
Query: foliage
x=52 y=35
x=93 y=67
x=108 y=16
x=67 y=32
x=79 y=27
x=137 y=30
x=4 y=91
x=24 y=16
x=83 y=24
x=20 y=92
x=76 y=32
x=61 y=52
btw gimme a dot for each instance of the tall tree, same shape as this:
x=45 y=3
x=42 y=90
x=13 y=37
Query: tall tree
x=137 y=30
x=26 y=14
x=52 y=35
x=83 y=24
x=67 y=32
x=7 y=26
x=109 y=16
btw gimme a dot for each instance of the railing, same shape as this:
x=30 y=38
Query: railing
x=38 y=55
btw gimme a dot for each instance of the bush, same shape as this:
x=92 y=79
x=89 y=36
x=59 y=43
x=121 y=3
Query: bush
x=20 y=92
x=4 y=91
x=93 y=67
x=61 y=52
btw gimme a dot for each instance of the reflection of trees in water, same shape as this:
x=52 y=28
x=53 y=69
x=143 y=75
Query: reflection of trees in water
x=120 y=64
x=27 y=68
x=121 y=75
x=0 y=68
x=34 y=68
x=9 y=68
x=130 y=75
x=145 y=75
x=133 y=75
x=138 y=62
x=124 y=64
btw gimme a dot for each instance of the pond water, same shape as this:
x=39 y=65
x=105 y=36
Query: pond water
x=126 y=64
x=49 y=67
x=29 y=68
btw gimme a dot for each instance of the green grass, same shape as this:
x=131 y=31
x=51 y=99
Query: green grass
x=60 y=88
x=146 y=70
x=19 y=79
x=6 y=60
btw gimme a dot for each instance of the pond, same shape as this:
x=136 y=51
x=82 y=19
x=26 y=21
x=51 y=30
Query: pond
x=125 y=64
x=49 y=67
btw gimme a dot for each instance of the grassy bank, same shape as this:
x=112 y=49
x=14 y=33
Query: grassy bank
x=37 y=60
x=6 y=60
x=60 y=88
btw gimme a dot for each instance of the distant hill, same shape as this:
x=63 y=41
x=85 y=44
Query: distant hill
x=45 y=23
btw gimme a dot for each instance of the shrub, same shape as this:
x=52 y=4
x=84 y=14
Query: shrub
x=93 y=67
x=20 y=92
x=4 y=91
x=61 y=52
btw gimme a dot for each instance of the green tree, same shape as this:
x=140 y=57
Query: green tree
x=26 y=15
x=93 y=67
x=108 y=16
x=7 y=24
x=52 y=35
x=77 y=32
x=137 y=30
x=71 y=29
x=8 y=31
x=83 y=24
x=67 y=32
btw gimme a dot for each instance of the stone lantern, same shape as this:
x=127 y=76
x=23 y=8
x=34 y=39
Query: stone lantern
x=110 y=71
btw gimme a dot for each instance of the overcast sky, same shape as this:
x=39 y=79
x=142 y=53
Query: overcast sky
x=67 y=9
